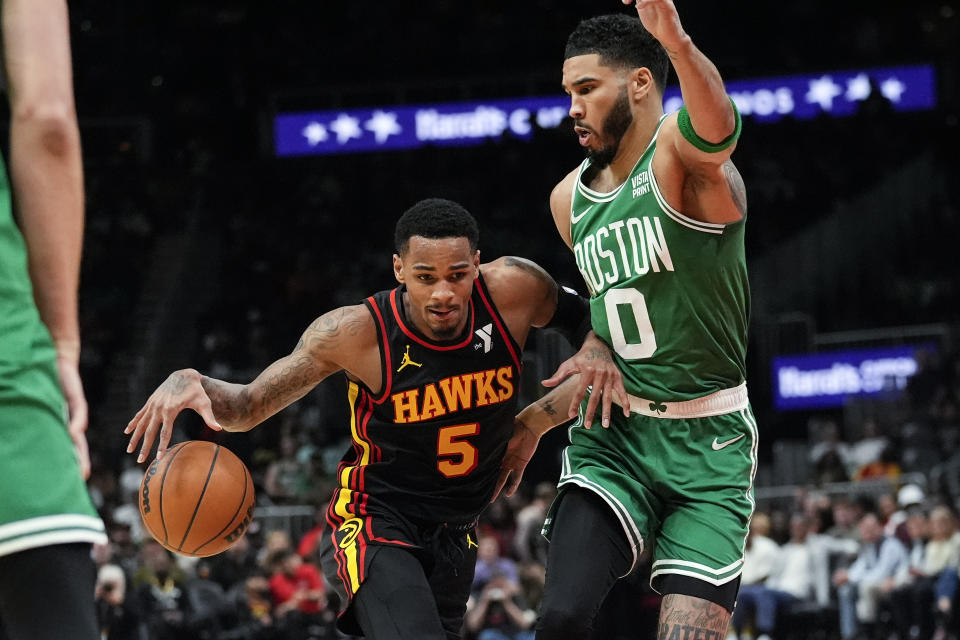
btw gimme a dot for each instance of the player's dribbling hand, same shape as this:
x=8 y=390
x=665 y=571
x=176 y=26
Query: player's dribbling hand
x=520 y=449
x=660 y=18
x=181 y=390
x=599 y=373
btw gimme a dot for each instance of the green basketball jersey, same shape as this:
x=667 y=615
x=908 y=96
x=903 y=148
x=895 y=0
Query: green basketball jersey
x=43 y=498
x=20 y=324
x=668 y=293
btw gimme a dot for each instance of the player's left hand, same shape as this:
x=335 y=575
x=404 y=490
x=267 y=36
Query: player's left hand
x=661 y=19
x=77 y=410
x=520 y=449
x=599 y=373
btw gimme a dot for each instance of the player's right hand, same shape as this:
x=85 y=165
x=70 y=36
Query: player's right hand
x=181 y=390
x=598 y=374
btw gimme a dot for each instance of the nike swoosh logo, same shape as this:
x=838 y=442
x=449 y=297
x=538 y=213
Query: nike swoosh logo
x=720 y=445
x=574 y=218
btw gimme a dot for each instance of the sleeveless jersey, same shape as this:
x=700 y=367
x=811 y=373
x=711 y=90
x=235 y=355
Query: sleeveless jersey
x=428 y=447
x=668 y=293
x=43 y=498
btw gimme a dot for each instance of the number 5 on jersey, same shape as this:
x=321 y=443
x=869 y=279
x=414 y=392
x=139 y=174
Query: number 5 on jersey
x=455 y=456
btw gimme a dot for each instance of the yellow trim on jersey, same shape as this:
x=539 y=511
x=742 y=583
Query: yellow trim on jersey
x=350 y=550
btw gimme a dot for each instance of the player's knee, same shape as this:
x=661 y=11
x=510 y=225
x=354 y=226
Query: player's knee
x=562 y=623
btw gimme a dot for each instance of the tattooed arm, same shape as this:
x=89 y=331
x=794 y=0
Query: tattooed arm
x=335 y=341
x=589 y=367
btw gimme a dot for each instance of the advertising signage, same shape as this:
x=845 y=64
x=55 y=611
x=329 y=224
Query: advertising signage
x=383 y=128
x=827 y=380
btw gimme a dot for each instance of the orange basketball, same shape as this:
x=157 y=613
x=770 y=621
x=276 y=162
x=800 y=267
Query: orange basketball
x=197 y=499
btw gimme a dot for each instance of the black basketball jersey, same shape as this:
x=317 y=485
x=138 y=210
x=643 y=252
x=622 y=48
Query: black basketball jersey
x=428 y=447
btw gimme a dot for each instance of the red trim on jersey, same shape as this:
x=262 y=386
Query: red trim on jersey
x=387 y=377
x=503 y=330
x=410 y=334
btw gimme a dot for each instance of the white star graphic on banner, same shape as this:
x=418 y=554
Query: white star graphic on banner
x=892 y=89
x=822 y=91
x=858 y=88
x=383 y=125
x=346 y=127
x=315 y=133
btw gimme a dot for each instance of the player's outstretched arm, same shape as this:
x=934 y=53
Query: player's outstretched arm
x=708 y=122
x=331 y=340
x=528 y=427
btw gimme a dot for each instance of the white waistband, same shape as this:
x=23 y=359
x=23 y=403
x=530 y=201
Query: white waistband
x=717 y=403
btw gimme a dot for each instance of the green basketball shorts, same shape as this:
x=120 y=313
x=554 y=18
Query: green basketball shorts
x=677 y=475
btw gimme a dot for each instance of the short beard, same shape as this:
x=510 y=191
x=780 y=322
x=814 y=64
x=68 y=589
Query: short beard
x=615 y=125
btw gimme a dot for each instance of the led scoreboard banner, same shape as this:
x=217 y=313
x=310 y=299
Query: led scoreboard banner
x=837 y=93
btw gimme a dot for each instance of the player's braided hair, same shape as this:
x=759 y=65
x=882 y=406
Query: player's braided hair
x=620 y=41
x=435 y=218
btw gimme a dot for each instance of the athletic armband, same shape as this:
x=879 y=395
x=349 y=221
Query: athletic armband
x=572 y=317
x=686 y=128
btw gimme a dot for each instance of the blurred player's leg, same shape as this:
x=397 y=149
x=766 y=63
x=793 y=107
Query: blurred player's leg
x=27 y=609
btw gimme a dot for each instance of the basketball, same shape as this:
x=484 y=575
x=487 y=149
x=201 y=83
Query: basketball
x=197 y=500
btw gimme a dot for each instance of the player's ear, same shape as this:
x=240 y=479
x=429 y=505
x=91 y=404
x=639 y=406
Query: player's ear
x=640 y=83
x=476 y=262
x=397 y=268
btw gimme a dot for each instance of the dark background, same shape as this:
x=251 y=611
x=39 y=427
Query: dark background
x=204 y=250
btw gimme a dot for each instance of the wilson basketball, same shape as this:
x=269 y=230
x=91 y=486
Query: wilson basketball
x=197 y=499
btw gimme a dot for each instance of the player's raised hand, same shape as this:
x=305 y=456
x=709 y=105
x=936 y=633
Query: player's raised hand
x=599 y=373
x=661 y=19
x=181 y=390
x=520 y=449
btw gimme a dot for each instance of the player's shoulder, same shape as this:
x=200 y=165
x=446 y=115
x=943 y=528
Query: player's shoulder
x=514 y=276
x=349 y=327
x=562 y=194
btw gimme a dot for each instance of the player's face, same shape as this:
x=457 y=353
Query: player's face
x=599 y=106
x=439 y=274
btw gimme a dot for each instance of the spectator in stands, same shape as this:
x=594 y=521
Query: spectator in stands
x=868 y=449
x=868 y=578
x=761 y=552
x=287 y=478
x=491 y=563
x=161 y=592
x=118 y=613
x=298 y=593
x=528 y=543
x=931 y=582
x=846 y=514
x=499 y=612
x=792 y=579
x=235 y=564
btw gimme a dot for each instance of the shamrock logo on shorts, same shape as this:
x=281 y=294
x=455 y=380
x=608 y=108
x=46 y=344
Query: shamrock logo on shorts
x=659 y=408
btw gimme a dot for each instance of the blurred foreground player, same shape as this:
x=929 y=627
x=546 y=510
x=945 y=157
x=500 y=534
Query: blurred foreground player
x=47 y=521
x=433 y=369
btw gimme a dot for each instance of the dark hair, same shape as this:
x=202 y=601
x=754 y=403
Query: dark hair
x=620 y=41
x=435 y=218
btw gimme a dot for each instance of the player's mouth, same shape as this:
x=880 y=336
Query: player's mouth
x=442 y=314
x=584 y=135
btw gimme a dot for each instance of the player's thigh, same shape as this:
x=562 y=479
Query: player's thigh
x=702 y=535
x=452 y=578
x=395 y=601
x=46 y=593
x=588 y=553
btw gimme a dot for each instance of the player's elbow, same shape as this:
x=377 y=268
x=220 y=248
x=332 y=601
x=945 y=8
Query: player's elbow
x=51 y=124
